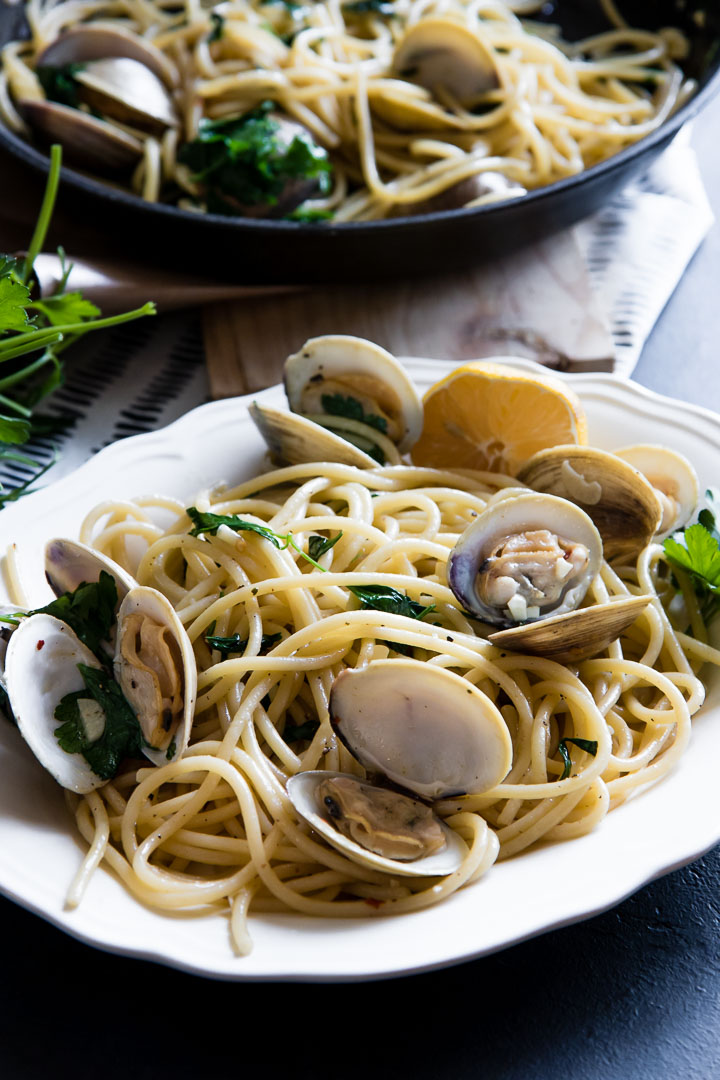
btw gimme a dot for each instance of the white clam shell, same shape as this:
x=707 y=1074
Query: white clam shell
x=423 y=727
x=41 y=667
x=293 y=440
x=342 y=356
x=301 y=790
x=157 y=607
x=670 y=473
x=68 y=564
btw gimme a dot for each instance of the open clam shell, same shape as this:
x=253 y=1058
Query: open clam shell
x=618 y=498
x=423 y=727
x=340 y=366
x=672 y=476
x=525 y=557
x=575 y=636
x=302 y=792
x=442 y=54
x=127 y=91
x=155 y=667
x=41 y=667
x=87 y=140
x=68 y=564
x=99 y=41
x=293 y=440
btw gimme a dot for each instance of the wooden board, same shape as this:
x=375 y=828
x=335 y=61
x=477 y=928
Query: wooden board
x=537 y=304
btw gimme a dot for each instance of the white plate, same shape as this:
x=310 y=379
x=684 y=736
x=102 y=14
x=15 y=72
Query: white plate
x=667 y=826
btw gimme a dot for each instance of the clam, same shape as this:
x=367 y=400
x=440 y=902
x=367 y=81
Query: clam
x=375 y=826
x=41 y=668
x=618 y=498
x=525 y=558
x=101 y=42
x=441 y=54
x=525 y=564
x=87 y=140
x=293 y=440
x=426 y=730
x=155 y=667
x=352 y=385
x=673 y=478
x=68 y=564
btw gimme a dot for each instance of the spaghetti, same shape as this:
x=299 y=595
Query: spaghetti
x=216 y=828
x=551 y=108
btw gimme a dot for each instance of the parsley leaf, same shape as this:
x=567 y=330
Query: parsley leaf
x=344 y=405
x=318 y=545
x=696 y=551
x=385 y=598
x=296 y=732
x=205 y=522
x=590 y=746
x=14 y=298
x=367 y=7
x=244 y=162
x=89 y=611
x=218 y=27
x=121 y=736
x=64 y=308
x=236 y=644
x=59 y=83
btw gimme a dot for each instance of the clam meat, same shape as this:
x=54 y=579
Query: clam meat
x=155 y=667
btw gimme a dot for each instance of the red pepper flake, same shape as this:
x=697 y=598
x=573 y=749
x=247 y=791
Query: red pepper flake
x=40 y=644
x=372 y=902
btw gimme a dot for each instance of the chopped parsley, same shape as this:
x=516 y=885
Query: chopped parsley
x=59 y=83
x=318 y=545
x=345 y=405
x=385 y=598
x=121 y=735
x=242 y=162
x=218 y=27
x=590 y=746
x=235 y=644
x=208 y=523
x=89 y=611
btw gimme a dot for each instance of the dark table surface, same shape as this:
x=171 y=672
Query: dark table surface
x=634 y=992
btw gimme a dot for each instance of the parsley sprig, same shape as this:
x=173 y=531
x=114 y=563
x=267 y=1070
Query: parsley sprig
x=34 y=332
x=696 y=551
x=590 y=746
x=207 y=523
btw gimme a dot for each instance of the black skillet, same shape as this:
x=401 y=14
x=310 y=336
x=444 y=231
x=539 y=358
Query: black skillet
x=254 y=251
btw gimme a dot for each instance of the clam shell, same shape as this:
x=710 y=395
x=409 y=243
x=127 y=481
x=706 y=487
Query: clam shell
x=87 y=141
x=423 y=727
x=344 y=358
x=128 y=92
x=440 y=53
x=154 y=605
x=669 y=473
x=301 y=792
x=97 y=41
x=575 y=636
x=618 y=498
x=40 y=669
x=68 y=564
x=293 y=440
